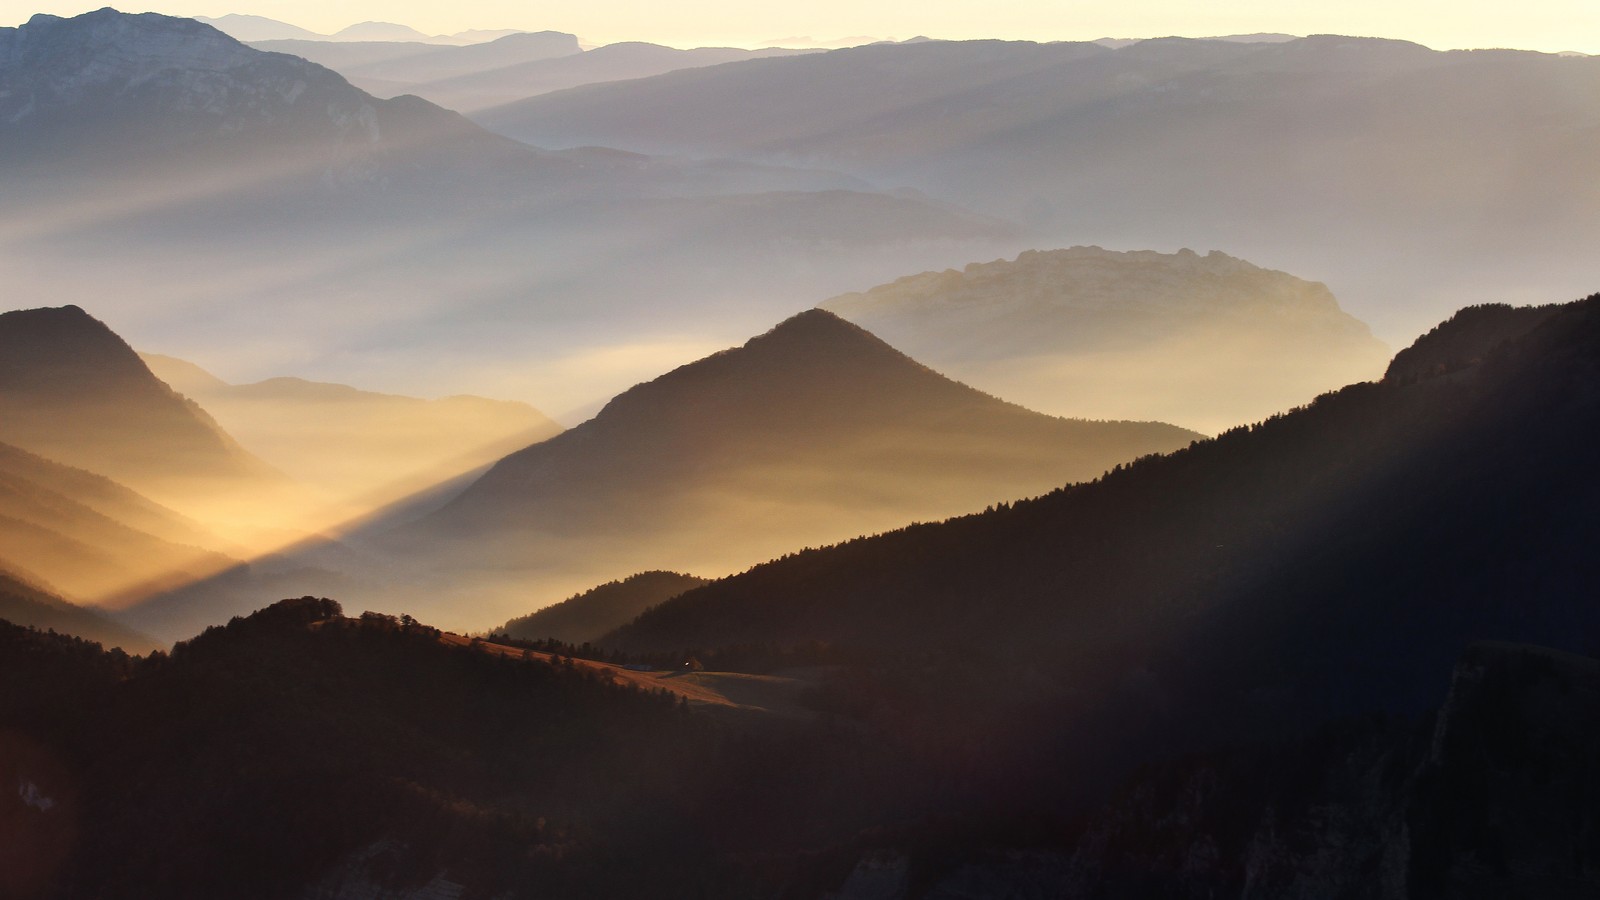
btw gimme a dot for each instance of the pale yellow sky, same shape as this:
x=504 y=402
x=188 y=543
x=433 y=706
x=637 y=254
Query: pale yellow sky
x=1549 y=25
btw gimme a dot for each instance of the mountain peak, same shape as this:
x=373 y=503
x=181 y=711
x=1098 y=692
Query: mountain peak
x=73 y=391
x=48 y=344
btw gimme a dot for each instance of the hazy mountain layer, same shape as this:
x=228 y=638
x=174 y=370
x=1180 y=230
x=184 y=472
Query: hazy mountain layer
x=1206 y=342
x=92 y=538
x=588 y=616
x=359 y=446
x=812 y=433
x=500 y=72
x=230 y=197
x=22 y=603
x=1411 y=181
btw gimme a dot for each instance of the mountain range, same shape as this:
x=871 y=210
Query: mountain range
x=1322 y=563
x=261 y=28
x=811 y=433
x=1208 y=673
x=1410 y=180
x=356 y=445
x=501 y=71
x=400 y=228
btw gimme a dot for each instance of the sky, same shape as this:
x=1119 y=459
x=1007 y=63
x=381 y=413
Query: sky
x=1548 y=25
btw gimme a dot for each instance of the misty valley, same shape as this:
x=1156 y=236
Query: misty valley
x=498 y=465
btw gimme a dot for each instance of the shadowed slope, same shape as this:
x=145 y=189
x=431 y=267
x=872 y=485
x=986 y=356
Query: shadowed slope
x=21 y=603
x=92 y=538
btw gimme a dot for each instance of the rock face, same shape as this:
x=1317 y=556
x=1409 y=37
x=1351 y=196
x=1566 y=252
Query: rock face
x=1205 y=341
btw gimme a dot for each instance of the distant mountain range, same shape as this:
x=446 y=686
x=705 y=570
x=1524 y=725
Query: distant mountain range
x=1411 y=181
x=811 y=433
x=261 y=28
x=401 y=228
x=357 y=445
x=1207 y=342
x=511 y=68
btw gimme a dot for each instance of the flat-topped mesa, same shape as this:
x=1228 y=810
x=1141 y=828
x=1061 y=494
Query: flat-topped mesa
x=1207 y=341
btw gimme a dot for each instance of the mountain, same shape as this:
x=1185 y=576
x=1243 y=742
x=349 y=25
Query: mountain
x=588 y=616
x=258 y=28
x=359 y=444
x=72 y=391
x=420 y=245
x=1325 y=562
x=94 y=539
x=389 y=68
x=388 y=758
x=1465 y=339
x=21 y=603
x=502 y=71
x=378 y=31
x=813 y=432
x=1207 y=342
x=1412 y=181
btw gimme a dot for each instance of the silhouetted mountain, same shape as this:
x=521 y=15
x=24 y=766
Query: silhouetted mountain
x=74 y=392
x=22 y=603
x=585 y=617
x=813 y=432
x=300 y=753
x=1206 y=342
x=1464 y=340
x=359 y=444
x=1408 y=179
x=1326 y=561
x=297 y=752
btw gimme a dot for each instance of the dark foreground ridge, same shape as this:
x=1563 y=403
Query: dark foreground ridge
x=299 y=753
